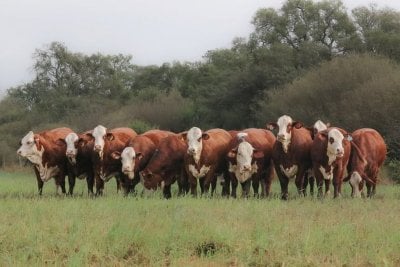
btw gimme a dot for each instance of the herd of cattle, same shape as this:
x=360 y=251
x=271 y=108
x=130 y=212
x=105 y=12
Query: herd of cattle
x=159 y=158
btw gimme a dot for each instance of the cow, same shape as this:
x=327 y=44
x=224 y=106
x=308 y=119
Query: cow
x=291 y=153
x=368 y=152
x=79 y=155
x=47 y=155
x=137 y=154
x=205 y=158
x=309 y=178
x=166 y=166
x=105 y=143
x=330 y=154
x=250 y=161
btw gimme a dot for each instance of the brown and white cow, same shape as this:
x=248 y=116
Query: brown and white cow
x=137 y=154
x=47 y=155
x=205 y=157
x=250 y=161
x=330 y=154
x=291 y=153
x=368 y=152
x=166 y=166
x=79 y=155
x=106 y=142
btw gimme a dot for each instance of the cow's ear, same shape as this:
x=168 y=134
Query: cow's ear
x=110 y=136
x=116 y=155
x=82 y=142
x=297 y=124
x=258 y=154
x=36 y=139
x=60 y=142
x=324 y=133
x=272 y=125
x=205 y=136
x=232 y=153
x=139 y=155
x=183 y=136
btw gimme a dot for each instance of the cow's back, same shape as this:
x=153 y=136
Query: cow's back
x=217 y=143
x=123 y=134
x=55 y=134
x=371 y=144
x=157 y=135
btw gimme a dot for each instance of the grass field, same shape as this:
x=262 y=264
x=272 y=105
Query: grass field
x=117 y=231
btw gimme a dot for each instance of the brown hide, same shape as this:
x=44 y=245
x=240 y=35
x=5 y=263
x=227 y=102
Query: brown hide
x=213 y=156
x=319 y=158
x=263 y=142
x=367 y=156
x=298 y=154
x=166 y=163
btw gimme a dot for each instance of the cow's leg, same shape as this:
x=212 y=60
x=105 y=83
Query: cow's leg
x=167 y=191
x=269 y=176
x=60 y=182
x=246 y=188
x=90 y=183
x=99 y=185
x=327 y=185
x=119 y=183
x=208 y=179
x=311 y=181
x=337 y=181
x=319 y=180
x=226 y=184
x=193 y=185
x=300 y=181
x=71 y=183
x=39 y=181
x=234 y=182
x=284 y=182
x=255 y=182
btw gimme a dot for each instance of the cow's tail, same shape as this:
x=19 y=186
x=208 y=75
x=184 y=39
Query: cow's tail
x=357 y=151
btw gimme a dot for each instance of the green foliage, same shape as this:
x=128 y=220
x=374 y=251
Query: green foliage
x=394 y=169
x=141 y=126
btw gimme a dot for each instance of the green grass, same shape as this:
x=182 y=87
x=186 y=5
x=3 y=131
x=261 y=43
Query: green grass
x=117 y=231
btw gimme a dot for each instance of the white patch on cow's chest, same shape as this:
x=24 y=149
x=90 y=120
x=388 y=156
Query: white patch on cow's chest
x=243 y=176
x=289 y=172
x=325 y=174
x=198 y=174
x=331 y=158
x=46 y=173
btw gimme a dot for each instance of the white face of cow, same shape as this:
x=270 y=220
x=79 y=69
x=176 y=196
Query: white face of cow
x=244 y=156
x=71 y=151
x=195 y=143
x=335 y=144
x=319 y=126
x=128 y=156
x=29 y=149
x=284 y=131
x=99 y=134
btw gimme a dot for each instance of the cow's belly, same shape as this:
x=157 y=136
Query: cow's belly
x=46 y=172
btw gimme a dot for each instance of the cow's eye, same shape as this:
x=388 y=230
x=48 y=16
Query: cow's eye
x=198 y=140
x=29 y=143
x=331 y=140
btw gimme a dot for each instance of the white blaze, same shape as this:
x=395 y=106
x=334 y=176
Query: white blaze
x=325 y=174
x=283 y=135
x=195 y=143
x=29 y=149
x=335 y=145
x=71 y=151
x=319 y=126
x=355 y=181
x=99 y=133
x=128 y=156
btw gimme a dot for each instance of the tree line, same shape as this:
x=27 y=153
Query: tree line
x=310 y=60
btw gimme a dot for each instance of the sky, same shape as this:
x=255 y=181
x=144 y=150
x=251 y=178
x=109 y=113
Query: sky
x=152 y=31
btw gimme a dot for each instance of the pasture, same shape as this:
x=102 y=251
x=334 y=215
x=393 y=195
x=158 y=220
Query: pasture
x=116 y=231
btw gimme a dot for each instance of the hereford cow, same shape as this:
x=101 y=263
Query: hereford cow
x=166 y=166
x=330 y=154
x=291 y=153
x=47 y=155
x=367 y=156
x=137 y=154
x=205 y=157
x=105 y=143
x=250 y=160
x=79 y=155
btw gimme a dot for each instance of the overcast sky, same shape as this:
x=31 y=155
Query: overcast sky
x=152 y=31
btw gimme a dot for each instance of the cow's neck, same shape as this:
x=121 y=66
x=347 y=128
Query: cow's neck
x=331 y=157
